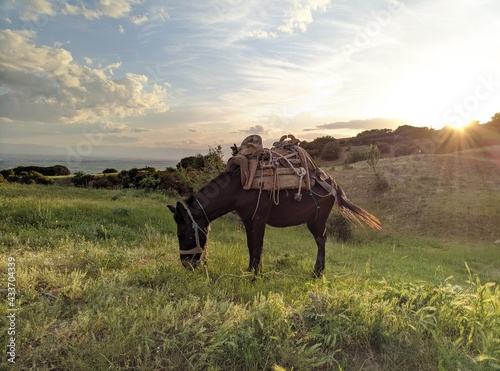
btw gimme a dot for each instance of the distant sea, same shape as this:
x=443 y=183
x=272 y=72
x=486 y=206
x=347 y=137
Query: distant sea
x=89 y=165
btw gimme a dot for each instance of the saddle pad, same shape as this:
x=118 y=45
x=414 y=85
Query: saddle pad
x=283 y=181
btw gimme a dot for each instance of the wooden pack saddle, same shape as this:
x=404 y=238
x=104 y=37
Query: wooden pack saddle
x=284 y=166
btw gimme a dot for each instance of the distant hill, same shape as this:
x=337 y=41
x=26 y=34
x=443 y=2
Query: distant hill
x=73 y=154
x=449 y=196
x=407 y=140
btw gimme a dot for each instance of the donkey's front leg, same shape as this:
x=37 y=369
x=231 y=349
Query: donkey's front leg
x=255 y=241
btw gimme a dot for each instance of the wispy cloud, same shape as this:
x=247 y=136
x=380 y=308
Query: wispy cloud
x=375 y=123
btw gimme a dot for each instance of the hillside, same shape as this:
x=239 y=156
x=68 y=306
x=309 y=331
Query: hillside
x=99 y=284
x=448 y=196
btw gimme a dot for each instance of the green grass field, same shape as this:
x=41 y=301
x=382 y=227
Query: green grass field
x=99 y=284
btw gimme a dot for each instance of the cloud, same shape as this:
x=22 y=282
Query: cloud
x=257 y=129
x=121 y=29
x=301 y=15
x=116 y=8
x=375 y=123
x=141 y=130
x=261 y=34
x=122 y=139
x=45 y=84
x=138 y=20
x=35 y=9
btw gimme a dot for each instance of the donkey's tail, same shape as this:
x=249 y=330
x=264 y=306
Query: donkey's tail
x=355 y=213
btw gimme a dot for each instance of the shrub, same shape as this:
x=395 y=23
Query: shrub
x=405 y=149
x=339 y=227
x=331 y=151
x=55 y=170
x=174 y=181
x=106 y=181
x=109 y=171
x=315 y=148
x=7 y=173
x=32 y=177
x=149 y=182
x=83 y=180
x=355 y=156
x=1 y=178
x=384 y=147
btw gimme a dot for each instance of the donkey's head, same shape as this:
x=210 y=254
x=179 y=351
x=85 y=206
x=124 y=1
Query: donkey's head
x=192 y=236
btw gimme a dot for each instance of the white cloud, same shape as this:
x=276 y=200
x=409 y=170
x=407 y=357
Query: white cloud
x=375 y=123
x=301 y=15
x=160 y=14
x=116 y=8
x=88 y=61
x=261 y=34
x=257 y=129
x=120 y=29
x=45 y=84
x=138 y=20
x=141 y=130
x=34 y=9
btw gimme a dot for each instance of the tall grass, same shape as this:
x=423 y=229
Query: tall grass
x=100 y=286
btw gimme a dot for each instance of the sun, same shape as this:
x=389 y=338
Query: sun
x=461 y=126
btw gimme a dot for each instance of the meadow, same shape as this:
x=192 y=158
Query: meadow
x=99 y=284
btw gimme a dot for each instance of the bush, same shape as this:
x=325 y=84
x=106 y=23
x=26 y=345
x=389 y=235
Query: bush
x=339 y=227
x=7 y=173
x=174 y=181
x=133 y=177
x=83 y=180
x=315 y=148
x=31 y=177
x=106 y=181
x=384 y=147
x=405 y=149
x=1 y=178
x=109 y=171
x=56 y=170
x=331 y=151
x=355 y=156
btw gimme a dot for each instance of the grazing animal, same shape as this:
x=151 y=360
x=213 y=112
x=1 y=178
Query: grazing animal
x=257 y=208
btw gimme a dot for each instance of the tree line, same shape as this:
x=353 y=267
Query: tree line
x=406 y=140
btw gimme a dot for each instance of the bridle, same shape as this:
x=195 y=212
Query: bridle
x=198 y=249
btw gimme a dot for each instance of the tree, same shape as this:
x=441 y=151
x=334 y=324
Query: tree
x=372 y=157
x=331 y=151
x=315 y=147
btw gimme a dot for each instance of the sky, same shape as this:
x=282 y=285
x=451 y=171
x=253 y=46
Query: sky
x=169 y=78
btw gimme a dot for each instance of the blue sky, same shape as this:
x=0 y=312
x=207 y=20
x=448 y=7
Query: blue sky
x=179 y=76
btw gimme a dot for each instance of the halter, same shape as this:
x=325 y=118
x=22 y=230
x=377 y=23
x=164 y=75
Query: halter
x=198 y=249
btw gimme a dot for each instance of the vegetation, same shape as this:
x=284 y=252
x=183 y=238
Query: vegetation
x=56 y=170
x=100 y=285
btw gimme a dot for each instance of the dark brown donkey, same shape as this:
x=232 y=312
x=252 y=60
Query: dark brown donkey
x=256 y=209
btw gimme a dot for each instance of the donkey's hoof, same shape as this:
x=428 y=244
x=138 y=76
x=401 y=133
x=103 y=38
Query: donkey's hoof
x=317 y=274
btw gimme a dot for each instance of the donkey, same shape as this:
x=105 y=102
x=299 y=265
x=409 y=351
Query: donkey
x=257 y=208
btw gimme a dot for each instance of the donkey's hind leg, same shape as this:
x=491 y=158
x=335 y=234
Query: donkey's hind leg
x=318 y=230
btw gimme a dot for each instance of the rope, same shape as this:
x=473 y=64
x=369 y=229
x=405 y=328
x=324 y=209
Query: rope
x=198 y=249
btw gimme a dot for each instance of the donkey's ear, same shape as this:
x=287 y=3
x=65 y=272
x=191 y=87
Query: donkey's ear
x=182 y=211
x=171 y=208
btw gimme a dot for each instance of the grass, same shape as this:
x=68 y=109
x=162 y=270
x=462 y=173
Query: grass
x=100 y=286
